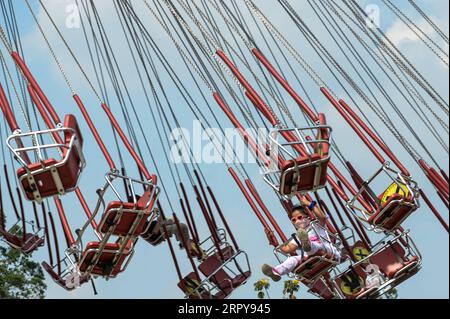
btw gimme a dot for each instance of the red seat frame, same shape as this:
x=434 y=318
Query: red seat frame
x=312 y=170
x=106 y=256
x=312 y=267
x=212 y=268
x=127 y=219
x=392 y=213
x=40 y=176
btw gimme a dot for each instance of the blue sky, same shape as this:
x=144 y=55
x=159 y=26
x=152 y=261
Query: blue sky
x=151 y=273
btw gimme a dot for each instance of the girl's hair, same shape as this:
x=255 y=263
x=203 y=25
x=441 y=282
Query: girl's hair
x=299 y=208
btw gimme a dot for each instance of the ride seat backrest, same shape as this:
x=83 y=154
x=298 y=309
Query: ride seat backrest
x=391 y=260
x=222 y=279
x=129 y=215
x=322 y=289
x=307 y=174
x=393 y=213
x=189 y=284
x=68 y=173
x=104 y=265
x=322 y=148
x=313 y=265
x=27 y=245
x=70 y=122
x=354 y=282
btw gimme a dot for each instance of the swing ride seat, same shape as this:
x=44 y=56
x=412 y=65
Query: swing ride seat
x=128 y=219
x=191 y=285
x=52 y=177
x=107 y=262
x=321 y=289
x=393 y=212
x=213 y=268
x=60 y=280
x=394 y=263
x=26 y=245
x=307 y=173
x=314 y=266
x=352 y=284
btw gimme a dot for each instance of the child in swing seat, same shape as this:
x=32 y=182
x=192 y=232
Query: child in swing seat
x=312 y=239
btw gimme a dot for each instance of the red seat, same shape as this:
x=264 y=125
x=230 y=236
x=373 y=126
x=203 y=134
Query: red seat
x=355 y=282
x=314 y=266
x=224 y=282
x=104 y=265
x=131 y=214
x=190 y=285
x=59 y=280
x=322 y=287
x=394 y=263
x=392 y=213
x=312 y=170
x=28 y=245
x=68 y=171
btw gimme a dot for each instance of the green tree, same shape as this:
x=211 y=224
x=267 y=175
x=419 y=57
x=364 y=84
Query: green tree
x=20 y=277
x=262 y=288
x=291 y=287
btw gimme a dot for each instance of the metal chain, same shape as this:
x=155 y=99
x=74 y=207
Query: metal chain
x=413 y=27
x=52 y=52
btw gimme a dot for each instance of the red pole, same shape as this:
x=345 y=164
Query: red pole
x=6 y=109
x=266 y=211
x=184 y=241
x=94 y=131
x=260 y=104
x=124 y=139
x=238 y=125
x=186 y=200
x=377 y=140
x=271 y=236
x=222 y=217
x=285 y=84
x=169 y=242
x=354 y=126
x=434 y=210
x=65 y=224
x=47 y=235
x=55 y=239
x=32 y=81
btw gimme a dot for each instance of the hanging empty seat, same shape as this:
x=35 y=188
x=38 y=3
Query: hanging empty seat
x=395 y=263
x=392 y=207
x=214 y=268
x=105 y=260
x=322 y=287
x=49 y=176
x=129 y=219
x=393 y=212
x=223 y=276
x=26 y=244
x=300 y=174
x=193 y=288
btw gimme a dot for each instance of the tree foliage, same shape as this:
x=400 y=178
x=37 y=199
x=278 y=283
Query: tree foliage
x=20 y=277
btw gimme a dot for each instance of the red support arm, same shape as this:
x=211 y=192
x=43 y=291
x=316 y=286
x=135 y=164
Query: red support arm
x=285 y=84
x=124 y=139
x=374 y=137
x=270 y=235
x=434 y=210
x=354 y=126
x=247 y=138
x=94 y=131
x=65 y=224
x=32 y=81
x=266 y=211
